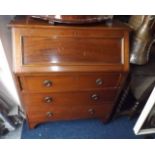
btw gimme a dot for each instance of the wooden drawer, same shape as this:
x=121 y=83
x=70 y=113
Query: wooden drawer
x=46 y=100
x=77 y=82
x=36 y=115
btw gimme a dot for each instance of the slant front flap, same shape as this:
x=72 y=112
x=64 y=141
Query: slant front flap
x=69 y=50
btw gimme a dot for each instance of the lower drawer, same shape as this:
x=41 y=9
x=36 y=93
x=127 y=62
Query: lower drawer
x=37 y=115
x=44 y=100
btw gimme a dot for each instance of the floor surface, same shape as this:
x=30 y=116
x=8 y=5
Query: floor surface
x=121 y=128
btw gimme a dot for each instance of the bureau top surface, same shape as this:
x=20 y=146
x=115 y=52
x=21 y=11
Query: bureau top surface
x=24 y=21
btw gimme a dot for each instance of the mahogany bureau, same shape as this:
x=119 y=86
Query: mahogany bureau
x=69 y=72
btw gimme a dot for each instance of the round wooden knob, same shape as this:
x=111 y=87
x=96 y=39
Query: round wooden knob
x=95 y=97
x=99 y=82
x=49 y=114
x=47 y=83
x=91 y=111
x=48 y=99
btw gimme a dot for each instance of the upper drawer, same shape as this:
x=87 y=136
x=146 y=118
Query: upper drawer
x=71 y=50
x=74 y=82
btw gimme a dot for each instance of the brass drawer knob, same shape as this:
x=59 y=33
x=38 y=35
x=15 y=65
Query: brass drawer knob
x=99 y=82
x=95 y=97
x=49 y=114
x=91 y=111
x=48 y=99
x=47 y=83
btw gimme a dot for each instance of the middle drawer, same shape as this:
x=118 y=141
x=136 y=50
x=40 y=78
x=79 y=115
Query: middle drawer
x=69 y=98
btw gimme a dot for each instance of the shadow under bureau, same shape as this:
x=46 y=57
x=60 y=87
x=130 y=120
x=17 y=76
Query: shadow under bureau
x=69 y=72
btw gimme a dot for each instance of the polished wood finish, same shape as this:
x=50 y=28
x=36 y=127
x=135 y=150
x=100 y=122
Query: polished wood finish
x=70 y=82
x=71 y=50
x=26 y=64
x=69 y=99
x=74 y=19
x=69 y=72
x=36 y=115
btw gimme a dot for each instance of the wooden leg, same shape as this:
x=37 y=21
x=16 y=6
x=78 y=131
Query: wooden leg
x=106 y=119
x=32 y=125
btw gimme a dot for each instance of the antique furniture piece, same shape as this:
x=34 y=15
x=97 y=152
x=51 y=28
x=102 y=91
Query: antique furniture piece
x=76 y=19
x=142 y=39
x=69 y=72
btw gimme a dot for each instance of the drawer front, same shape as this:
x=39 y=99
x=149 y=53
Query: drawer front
x=46 y=100
x=71 y=50
x=68 y=113
x=71 y=82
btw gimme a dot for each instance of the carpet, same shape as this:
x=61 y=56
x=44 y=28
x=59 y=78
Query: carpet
x=120 y=128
